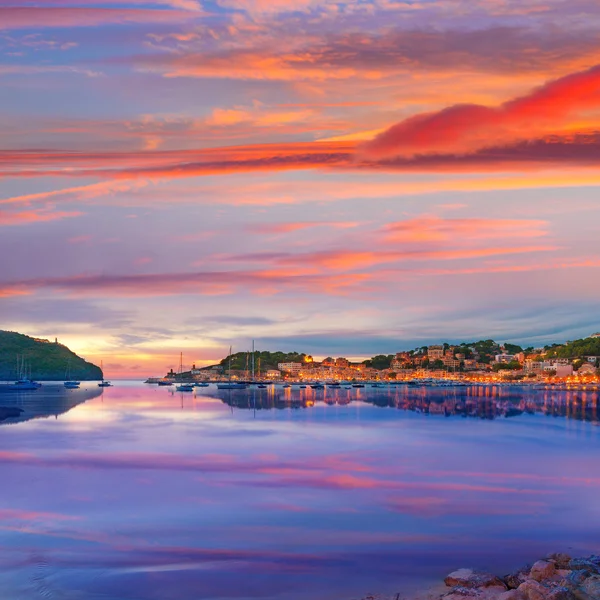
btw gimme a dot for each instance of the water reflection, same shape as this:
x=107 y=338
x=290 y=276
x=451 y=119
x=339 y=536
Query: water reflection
x=482 y=402
x=48 y=401
x=287 y=494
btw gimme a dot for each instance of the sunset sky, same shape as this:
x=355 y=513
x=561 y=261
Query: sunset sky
x=346 y=178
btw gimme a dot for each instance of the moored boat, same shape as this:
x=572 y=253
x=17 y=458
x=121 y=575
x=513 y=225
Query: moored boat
x=185 y=387
x=22 y=385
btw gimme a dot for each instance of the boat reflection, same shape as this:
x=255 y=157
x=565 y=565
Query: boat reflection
x=482 y=402
x=48 y=401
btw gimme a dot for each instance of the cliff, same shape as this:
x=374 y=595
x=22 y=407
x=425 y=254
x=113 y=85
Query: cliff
x=44 y=360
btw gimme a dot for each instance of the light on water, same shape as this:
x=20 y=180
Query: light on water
x=136 y=492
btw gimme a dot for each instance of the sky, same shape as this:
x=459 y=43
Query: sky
x=347 y=178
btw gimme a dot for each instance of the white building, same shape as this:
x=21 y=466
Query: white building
x=291 y=367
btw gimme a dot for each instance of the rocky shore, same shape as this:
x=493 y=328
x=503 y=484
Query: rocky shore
x=555 y=577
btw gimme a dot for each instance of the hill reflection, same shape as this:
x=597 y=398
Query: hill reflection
x=48 y=401
x=477 y=402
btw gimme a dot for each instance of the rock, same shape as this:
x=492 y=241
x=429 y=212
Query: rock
x=575 y=578
x=591 y=586
x=482 y=593
x=468 y=578
x=514 y=580
x=533 y=590
x=561 y=593
x=513 y=594
x=562 y=560
x=461 y=591
x=585 y=564
x=542 y=570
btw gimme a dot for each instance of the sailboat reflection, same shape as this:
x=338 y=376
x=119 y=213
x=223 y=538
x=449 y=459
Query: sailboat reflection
x=48 y=401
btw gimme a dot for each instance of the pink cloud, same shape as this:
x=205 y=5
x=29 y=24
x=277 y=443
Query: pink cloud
x=37 y=17
x=28 y=217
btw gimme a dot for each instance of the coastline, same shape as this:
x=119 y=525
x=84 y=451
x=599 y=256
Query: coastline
x=556 y=576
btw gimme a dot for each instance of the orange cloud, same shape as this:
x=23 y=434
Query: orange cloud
x=435 y=229
x=277 y=228
x=348 y=260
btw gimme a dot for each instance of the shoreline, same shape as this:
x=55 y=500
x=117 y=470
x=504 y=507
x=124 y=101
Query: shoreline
x=557 y=576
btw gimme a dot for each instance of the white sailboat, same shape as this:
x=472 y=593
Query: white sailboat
x=103 y=383
x=231 y=385
x=69 y=383
x=183 y=387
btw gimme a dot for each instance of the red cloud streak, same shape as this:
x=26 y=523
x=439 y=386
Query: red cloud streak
x=471 y=127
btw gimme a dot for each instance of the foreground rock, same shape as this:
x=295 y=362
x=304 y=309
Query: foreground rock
x=555 y=577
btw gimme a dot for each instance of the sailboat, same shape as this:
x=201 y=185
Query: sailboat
x=103 y=383
x=69 y=383
x=183 y=387
x=23 y=384
x=231 y=385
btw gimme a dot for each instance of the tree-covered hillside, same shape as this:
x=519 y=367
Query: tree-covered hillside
x=42 y=360
x=575 y=349
x=268 y=360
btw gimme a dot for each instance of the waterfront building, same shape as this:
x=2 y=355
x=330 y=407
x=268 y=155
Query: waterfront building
x=563 y=370
x=291 y=367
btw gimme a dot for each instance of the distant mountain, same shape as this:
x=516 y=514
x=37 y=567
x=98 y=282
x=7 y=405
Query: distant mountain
x=44 y=360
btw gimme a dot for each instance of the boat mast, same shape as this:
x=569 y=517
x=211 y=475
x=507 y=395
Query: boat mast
x=229 y=364
x=252 y=360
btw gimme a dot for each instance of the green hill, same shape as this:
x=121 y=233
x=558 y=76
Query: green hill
x=44 y=360
x=268 y=360
x=575 y=349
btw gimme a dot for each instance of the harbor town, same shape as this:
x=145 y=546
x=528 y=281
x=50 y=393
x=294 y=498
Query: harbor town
x=483 y=362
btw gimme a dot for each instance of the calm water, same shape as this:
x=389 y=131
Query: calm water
x=142 y=493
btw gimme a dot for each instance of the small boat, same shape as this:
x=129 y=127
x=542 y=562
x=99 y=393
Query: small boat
x=23 y=385
x=317 y=386
x=302 y=387
x=262 y=386
x=201 y=384
x=358 y=385
x=69 y=383
x=185 y=387
x=103 y=383
x=231 y=386
x=164 y=382
x=287 y=385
